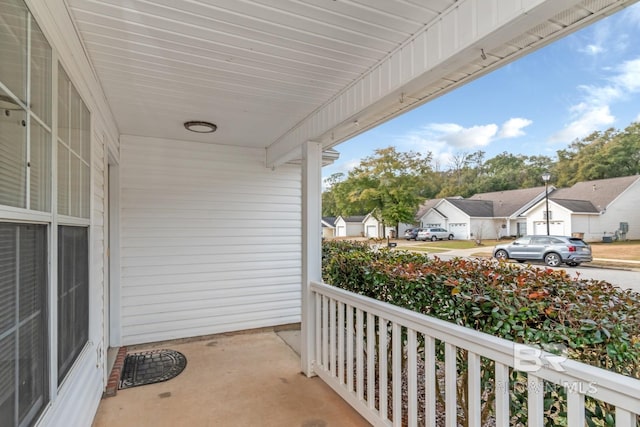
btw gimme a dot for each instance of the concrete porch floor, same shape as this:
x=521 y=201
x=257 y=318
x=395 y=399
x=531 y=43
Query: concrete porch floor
x=249 y=379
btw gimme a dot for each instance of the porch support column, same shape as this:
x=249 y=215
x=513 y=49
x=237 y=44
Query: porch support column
x=311 y=247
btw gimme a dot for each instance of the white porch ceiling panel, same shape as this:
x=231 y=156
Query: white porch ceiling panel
x=276 y=73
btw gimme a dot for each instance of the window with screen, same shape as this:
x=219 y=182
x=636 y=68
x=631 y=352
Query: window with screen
x=23 y=323
x=73 y=295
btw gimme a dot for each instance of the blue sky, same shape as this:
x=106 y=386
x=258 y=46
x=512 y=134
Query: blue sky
x=588 y=81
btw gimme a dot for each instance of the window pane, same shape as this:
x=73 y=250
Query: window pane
x=13 y=47
x=8 y=380
x=86 y=193
x=73 y=295
x=23 y=356
x=63 y=105
x=31 y=369
x=40 y=168
x=76 y=121
x=63 y=180
x=86 y=134
x=13 y=157
x=40 y=74
x=8 y=277
x=75 y=181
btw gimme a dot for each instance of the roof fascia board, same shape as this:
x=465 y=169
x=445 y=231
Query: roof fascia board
x=388 y=87
x=533 y=201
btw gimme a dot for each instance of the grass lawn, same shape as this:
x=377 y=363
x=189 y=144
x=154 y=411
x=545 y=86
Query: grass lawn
x=427 y=249
x=629 y=250
x=455 y=244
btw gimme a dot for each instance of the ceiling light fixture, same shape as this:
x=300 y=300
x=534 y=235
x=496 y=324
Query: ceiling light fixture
x=200 y=127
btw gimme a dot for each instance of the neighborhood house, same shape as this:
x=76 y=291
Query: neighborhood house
x=604 y=209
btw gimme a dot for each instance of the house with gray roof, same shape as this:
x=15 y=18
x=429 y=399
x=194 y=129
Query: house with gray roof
x=328 y=226
x=594 y=210
x=509 y=206
x=482 y=216
x=359 y=226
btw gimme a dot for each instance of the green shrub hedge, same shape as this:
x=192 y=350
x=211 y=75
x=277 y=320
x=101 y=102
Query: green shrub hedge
x=598 y=323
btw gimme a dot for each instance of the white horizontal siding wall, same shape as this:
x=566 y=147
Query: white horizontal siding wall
x=622 y=209
x=484 y=228
x=210 y=240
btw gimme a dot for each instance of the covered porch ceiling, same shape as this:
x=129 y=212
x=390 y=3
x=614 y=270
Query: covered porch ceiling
x=275 y=73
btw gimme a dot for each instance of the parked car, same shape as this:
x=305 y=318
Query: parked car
x=411 y=233
x=552 y=250
x=434 y=233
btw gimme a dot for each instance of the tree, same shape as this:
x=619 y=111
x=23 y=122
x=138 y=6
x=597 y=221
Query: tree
x=607 y=154
x=329 y=202
x=389 y=183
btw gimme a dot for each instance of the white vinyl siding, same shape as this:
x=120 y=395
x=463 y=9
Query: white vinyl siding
x=211 y=240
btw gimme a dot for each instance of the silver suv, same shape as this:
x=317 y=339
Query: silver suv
x=553 y=250
x=433 y=234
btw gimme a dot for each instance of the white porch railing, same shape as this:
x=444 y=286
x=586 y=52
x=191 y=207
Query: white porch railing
x=347 y=357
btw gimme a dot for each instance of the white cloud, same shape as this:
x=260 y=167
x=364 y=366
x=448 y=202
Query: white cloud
x=588 y=119
x=594 y=111
x=628 y=80
x=454 y=135
x=512 y=128
x=592 y=49
x=444 y=139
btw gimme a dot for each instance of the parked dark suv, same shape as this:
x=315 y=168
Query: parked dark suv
x=553 y=250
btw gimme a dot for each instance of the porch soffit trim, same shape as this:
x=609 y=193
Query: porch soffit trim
x=470 y=39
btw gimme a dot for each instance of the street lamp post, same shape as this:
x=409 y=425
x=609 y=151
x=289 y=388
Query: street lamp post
x=546 y=177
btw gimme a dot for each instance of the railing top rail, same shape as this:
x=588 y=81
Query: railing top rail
x=609 y=386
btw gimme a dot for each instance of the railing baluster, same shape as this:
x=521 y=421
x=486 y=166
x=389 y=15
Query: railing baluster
x=475 y=393
x=318 y=330
x=332 y=337
x=501 y=386
x=341 y=331
x=383 y=391
x=371 y=361
x=349 y=315
x=325 y=333
x=412 y=377
x=450 y=378
x=625 y=418
x=396 y=361
x=359 y=354
x=575 y=409
x=535 y=400
x=430 y=380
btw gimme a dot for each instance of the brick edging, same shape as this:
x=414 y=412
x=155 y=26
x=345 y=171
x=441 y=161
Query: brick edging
x=114 y=378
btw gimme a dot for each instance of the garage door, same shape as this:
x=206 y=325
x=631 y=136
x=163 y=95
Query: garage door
x=372 y=231
x=341 y=231
x=556 y=228
x=459 y=230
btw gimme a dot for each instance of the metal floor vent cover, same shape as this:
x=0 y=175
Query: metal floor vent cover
x=150 y=367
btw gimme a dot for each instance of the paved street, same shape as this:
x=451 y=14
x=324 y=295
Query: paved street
x=624 y=278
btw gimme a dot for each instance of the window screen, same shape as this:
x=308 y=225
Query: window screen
x=23 y=323
x=73 y=295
